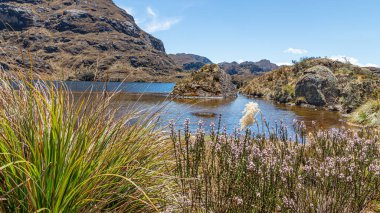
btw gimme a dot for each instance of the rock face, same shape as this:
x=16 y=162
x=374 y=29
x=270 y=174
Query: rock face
x=70 y=38
x=189 y=62
x=18 y=18
x=209 y=81
x=318 y=86
x=266 y=65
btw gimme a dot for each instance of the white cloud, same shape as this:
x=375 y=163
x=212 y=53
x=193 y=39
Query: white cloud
x=153 y=22
x=351 y=60
x=151 y=12
x=345 y=59
x=371 y=65
x=155 y=26
x=296 y=51
x=283 y=64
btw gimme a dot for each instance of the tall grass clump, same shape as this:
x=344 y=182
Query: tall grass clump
x=61 y=155
x=320 y=171
x=368 y=114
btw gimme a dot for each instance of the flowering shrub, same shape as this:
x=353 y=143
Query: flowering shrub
x=334 y=171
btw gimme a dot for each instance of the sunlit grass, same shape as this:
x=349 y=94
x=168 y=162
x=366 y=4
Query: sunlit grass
x=368 y=114
x=61 y=155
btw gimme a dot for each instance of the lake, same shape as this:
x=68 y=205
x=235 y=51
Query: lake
x=152 y=96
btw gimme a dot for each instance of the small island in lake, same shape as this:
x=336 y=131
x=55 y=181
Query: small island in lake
x=208 y=82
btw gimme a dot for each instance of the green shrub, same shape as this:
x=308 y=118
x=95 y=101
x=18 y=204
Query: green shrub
x=289 y=89
x=57 y=155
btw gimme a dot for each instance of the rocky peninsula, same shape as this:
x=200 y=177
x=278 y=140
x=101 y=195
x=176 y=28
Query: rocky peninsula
x=318 y=82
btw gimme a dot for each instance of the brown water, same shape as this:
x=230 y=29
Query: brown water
x=150 y=97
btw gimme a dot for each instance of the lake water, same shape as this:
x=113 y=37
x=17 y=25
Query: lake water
x=152 y=96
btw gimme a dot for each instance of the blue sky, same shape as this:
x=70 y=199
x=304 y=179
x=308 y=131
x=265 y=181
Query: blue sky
x=250 y=30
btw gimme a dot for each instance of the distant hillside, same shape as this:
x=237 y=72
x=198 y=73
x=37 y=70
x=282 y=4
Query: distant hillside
x=83 y=40
x=243 y=72
x=189 y=62
x=318 y=82
x=247 y=67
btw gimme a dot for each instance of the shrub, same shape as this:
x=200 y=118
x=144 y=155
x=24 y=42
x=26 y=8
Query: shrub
x=57 y=155
x=266 y=171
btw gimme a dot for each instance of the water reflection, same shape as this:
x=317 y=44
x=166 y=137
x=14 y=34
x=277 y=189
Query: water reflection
x=230 y=109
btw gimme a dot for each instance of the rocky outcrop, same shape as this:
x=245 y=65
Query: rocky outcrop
x=69 y=38
x=266 y=65
x=209 y=81
x=318 y=86
x=16 y=18
x=189 y=62
x=318 y=82
x=355 y=93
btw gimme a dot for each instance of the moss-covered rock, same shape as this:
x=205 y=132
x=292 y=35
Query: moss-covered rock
x=318 y=86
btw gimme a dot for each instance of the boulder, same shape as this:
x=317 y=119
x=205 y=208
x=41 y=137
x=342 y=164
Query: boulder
x=15 y=18
x=318 y=86
x=209 y=81
x=355 y=93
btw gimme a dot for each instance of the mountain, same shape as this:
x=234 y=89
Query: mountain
x=266 y=65
x=189 y=62
x=247 y=67
x=78 y=39
x=243 y=72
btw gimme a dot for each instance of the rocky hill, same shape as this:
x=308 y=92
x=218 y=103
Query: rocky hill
x=209 y=81
x=247 y=67
x=189 y=62
x=318 y=82
x=78 y=39
x=243 y=72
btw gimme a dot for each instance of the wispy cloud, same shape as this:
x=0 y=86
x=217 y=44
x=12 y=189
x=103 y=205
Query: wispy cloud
x=295 y=51
x=371 y=65
x=154 y=23
x=283 y=64
x=150 y=12
x=351 y=60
